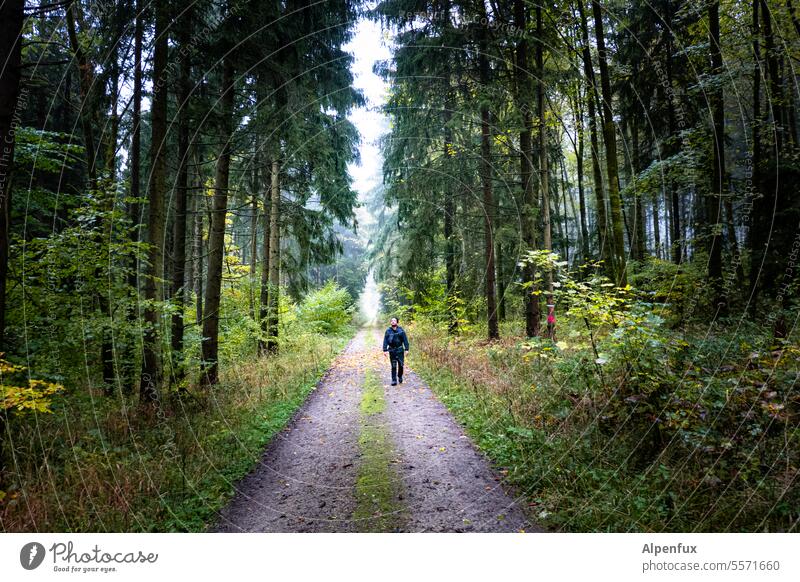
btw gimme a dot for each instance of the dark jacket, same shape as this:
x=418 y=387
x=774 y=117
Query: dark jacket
x=394 y=341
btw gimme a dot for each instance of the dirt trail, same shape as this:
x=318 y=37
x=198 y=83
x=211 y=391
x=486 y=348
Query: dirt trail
x=329 y=472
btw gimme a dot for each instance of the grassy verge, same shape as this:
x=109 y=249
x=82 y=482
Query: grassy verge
x=97 y=464
x=377 y=484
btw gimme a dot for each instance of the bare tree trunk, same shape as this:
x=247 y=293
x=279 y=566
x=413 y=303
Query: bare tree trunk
x=639 y=248
x=449 y=238
x=274 y=259
x=85 y=78
x=756 y=237
x=718 y=179
x=179 y=290
x=254 y=234
x=610 y=139
x=153 y=290
x=198 y=244
x=216 y=237
x=135 y=208
x=544 y=171
x=529 y=203
x=604 y=245
x=263 y=347
x=488 y=195
x=656 y=227
x=579 y=151
x=11 y=18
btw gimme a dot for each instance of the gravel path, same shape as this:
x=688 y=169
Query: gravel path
x=306 y=480
x=449 y=485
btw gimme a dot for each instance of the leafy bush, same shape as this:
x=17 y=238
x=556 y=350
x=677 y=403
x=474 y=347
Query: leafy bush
x=328 y=310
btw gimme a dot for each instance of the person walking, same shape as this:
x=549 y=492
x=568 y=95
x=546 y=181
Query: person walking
x=395 y=345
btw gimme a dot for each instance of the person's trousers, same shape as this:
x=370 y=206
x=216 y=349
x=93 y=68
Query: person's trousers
x=396 y=358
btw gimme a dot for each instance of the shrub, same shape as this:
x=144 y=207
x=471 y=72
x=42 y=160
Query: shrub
x=327 y=310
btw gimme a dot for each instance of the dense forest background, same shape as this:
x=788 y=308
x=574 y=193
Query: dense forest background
x=589 y=214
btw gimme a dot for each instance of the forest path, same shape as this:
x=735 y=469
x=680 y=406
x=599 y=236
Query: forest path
x=362 y=455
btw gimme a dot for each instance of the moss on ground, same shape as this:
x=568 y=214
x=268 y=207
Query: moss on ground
x=378 y=487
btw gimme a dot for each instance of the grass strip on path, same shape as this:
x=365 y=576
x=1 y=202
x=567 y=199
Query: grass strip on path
x=378 y=486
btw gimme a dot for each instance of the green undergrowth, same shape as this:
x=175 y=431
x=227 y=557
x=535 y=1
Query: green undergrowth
x=97 y=464
x=377 y=485
x=683 y=434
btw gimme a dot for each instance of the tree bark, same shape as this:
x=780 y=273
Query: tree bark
x=153 y=289
x=265 y=256
x=216 y=238
x=718 y=180
x=638 y=244
x=179 y=290
x=579 y=151
x=11 y=18
x=544 y=171
x=448 y=220
x=198 y=251
x=529 y=203
x=610 y=139
x=488 y=194
x=135 y=207
x=656 y=227
x=604 y=245
x=274 y=259
x=253 y=234
x=756 y=237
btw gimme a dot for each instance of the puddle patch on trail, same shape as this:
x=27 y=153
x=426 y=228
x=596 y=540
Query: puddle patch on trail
x=379 y=506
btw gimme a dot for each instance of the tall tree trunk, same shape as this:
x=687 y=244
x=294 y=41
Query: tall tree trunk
x=179 y=290
x=274 y=258
x=448 y=220
x=638 y=208
x=610 y=139
x=85 y=82
x=11 y=17
x=153 y=289
x=263 y=344
x=488 y=194
x=199 y=249
x=135 y=208
x=501 y=280
x=254 y=233
x=579 y=151
x=216 y=237
x=656 y=227
x=717 y=189
x=529 y=202
x=604 y=245
x=775 y=101
x=564 y=229
x=544 y=171
x=672 y=205
x=756 y=237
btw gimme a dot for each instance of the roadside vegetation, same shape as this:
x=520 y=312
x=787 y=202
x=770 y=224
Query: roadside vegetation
x=633 y=419
x=84 y=461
